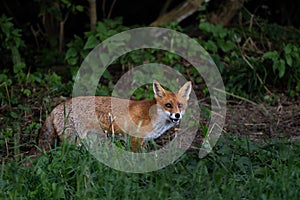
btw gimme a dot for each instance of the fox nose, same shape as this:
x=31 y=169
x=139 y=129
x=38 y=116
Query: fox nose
x=177 y=115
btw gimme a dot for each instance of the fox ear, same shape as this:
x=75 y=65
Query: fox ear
x=158 y=90
x=185 y=90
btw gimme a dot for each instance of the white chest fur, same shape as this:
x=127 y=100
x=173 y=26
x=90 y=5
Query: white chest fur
x=159 y=125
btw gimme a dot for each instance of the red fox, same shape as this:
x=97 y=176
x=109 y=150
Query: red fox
x=144 y=120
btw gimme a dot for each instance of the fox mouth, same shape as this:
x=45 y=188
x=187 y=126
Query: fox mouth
x=175 y=121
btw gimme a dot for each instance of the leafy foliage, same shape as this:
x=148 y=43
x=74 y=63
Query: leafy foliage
x=247 y=66
x=79 y=48
x=10 y=46
x=286 y=65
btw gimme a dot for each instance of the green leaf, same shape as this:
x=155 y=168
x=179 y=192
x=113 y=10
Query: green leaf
x=273 y=55
x=298 y=87
x=71 y=53
x=107 y=75
x=288 y=48
x=104 y=58
x=280 y=66
x=18 y=68
x=226 y=46
x=24 y=107
x=3 y=78
x=211 y=46
x=91 y=42
x=204 y=26
x=27 y=92
x=79 y=8
x=14 y=114
x=72 y=61
x=289 y=59
x=101 y=28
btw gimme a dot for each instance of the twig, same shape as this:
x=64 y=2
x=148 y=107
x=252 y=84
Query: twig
x=7 y=94
x=111 y=124
x=265 y=111
x=235 y=96
x=7 y=149
x=111 y=8
x=165 y=7
x=103 y=8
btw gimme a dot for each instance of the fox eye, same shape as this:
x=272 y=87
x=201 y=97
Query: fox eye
x=180 y=105
x=168 y=105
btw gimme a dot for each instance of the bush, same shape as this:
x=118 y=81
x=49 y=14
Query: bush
x=247 y=65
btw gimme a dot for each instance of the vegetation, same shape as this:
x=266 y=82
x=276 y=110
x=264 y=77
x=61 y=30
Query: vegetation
x=237 y=169
x=257 y=57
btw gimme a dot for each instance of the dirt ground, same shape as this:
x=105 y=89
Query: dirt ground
x=260 y=121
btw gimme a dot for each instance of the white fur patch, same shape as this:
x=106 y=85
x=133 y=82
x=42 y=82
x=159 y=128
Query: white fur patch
x=160 y=125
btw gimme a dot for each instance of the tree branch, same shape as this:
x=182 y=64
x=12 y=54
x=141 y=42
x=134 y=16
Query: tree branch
x=179 y=13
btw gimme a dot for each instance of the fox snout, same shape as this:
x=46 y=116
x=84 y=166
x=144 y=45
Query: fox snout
x=175 y=118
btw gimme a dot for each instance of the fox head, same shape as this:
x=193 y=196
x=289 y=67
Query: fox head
x=172 y=104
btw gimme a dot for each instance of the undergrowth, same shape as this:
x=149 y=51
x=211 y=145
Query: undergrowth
x=236 y=169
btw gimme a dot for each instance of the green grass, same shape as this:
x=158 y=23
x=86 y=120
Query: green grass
x=237 y=169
